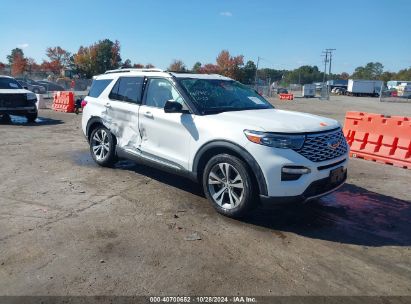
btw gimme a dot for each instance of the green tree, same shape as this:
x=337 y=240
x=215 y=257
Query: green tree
x=98 y=58
x=196 y=67
x=372 y=70
x=17 y=52
x=248 y=72
x=304 y=74
x=404 y=74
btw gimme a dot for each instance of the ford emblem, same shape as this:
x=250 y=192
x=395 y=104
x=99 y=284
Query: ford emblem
x=333 y=143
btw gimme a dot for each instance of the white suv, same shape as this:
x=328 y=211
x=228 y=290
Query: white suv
x=216 y=131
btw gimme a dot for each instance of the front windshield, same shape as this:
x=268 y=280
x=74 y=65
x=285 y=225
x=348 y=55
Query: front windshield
x=214 y=96
x=9 y=84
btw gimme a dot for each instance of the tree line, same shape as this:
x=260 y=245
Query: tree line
x=105 y=55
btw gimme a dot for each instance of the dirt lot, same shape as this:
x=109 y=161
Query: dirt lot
x=68 y=227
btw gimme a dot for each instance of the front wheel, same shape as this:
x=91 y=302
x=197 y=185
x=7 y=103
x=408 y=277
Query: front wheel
x=31 y=117
x=102 y=146
x=228 y=185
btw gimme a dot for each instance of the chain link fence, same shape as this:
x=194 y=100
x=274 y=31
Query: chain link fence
x=397 y=93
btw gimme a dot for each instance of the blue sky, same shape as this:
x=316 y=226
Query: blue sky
x=286 y=34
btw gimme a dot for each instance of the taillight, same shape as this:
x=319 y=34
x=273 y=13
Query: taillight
x=83 y=103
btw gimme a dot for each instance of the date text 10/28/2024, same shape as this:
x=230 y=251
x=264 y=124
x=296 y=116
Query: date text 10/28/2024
x=205 y=299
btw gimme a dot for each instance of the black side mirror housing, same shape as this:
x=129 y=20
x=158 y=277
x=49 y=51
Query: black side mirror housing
x=173 y=106
x=25 y=87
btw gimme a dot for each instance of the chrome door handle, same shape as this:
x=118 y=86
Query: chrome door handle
x=148 y=114
x=107 y=105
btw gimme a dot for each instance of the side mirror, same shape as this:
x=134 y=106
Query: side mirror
x=172 y=106
x=25 y=87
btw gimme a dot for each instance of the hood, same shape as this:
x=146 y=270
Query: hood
x=273 y=120
x=14 y=91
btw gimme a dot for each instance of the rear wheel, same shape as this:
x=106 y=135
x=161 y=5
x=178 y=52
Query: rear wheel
x=102 y=146
x=31 y=117
x=228 y=185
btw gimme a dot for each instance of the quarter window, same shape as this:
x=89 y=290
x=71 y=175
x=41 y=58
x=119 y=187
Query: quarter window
x=127 y=89
x=98 y=86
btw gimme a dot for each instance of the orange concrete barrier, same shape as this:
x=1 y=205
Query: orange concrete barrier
x=384 y=139
x=63 y=101
x=286 y=96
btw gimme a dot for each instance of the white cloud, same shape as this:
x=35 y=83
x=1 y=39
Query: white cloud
x=23 y=45
x=226 y=14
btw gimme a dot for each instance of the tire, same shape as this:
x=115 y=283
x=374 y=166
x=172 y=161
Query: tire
x=102 y=146
x=228 y=198
x=31 y=117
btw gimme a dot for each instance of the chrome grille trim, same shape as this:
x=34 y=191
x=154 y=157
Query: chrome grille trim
x=316 y=146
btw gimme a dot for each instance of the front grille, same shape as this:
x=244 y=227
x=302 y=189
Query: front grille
x=324 y=146
x=13 y=100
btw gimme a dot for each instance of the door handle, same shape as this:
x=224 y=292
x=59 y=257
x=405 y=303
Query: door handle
x=107 y=105
x=148 y=114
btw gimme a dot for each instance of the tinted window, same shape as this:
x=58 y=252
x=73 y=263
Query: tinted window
x=128 y=89
x=9 y=84
x=159 y=92
x=98 y=86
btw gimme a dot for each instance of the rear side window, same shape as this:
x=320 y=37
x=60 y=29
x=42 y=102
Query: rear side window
x=128 y=89
x=98 y=86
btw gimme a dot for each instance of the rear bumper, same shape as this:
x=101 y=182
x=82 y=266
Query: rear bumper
x=315 y=190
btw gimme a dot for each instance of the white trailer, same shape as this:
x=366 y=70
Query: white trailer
x=309 y=90
x=364 y=87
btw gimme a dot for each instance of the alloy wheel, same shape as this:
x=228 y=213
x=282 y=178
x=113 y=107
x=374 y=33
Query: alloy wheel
x=100 y=144
x=226 y=185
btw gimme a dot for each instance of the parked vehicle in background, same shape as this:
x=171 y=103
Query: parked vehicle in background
x=404 y=90
x=51 y=86
x=15 y=100
x=364 y=87
x=308 y=90
x=338 y=83
x=393 y=84
x=35 y=88
x=282 y=91
x=216 y=131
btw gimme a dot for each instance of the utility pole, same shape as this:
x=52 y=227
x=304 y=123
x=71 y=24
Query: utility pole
x=330 y=52
x=325 y=66
x=256 y=73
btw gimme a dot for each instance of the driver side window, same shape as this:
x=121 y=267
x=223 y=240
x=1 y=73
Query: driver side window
x=159 y=92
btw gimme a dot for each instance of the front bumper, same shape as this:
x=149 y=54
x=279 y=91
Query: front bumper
x=315 y=190
x=18 y=110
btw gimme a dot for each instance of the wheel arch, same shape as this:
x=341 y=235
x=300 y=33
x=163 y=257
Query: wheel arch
x=213 y=148
x=93 y=123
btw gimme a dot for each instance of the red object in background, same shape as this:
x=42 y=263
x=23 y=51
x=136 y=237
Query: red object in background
x=63 y=101
x=83 y=103
x=394 y=94
x=73 y=84
x=384 y=139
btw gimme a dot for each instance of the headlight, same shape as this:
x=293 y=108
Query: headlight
x=282 y=141
x=31 y=97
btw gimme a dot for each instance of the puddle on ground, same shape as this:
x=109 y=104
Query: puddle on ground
x=351 y=215
x=21 y=120
x=83 y=158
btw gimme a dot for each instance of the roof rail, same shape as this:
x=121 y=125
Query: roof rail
x=132 y=70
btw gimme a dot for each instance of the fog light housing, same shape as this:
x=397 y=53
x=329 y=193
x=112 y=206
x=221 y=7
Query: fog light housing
x=291 y=173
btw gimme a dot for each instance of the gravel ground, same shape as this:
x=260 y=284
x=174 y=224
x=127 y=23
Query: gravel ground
x=68 y=227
